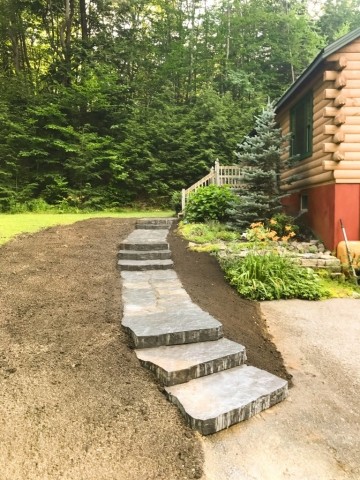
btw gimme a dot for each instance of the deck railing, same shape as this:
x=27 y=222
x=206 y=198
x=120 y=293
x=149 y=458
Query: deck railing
x=231 y=175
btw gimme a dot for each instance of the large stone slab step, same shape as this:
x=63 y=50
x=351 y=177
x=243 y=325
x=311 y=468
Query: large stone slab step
x=142 y=265
x=144 y=254
x=180 y=363
x=163 y=222
x=146 y=240
x=152 y=226
x=141 y=246
x=212 y=403
x=158 y=311
x=171 y=328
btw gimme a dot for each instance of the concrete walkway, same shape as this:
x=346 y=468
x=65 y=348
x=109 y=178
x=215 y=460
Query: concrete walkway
x=315 y=433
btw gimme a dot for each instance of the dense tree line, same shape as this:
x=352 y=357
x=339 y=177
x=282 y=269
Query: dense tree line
x=104 y=102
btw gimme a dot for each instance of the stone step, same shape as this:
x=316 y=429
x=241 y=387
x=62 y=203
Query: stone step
x=142 y=265
x=215 y=402
x=151 y=226
x=144 y=246
x=144 y=254
x=180 y=363
x=155 y=221
x=146 y=240
x=171 y=328
x=158 y=311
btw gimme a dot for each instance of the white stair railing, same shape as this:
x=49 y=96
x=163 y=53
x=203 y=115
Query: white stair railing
x=231 y=175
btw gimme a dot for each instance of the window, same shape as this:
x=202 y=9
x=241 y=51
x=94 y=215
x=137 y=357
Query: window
x=304 y=203
x=301 y=127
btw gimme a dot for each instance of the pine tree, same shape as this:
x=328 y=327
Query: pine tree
x=260 y=156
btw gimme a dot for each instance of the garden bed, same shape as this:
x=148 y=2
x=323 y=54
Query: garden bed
x=231 y=248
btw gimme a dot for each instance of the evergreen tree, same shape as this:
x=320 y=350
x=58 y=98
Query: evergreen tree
x=260 y=156
x=117 y=101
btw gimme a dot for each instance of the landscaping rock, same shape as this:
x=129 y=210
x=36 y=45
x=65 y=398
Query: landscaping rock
x=215 y=402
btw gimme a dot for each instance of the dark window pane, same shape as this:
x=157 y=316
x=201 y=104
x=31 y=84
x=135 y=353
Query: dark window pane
x=301 y=127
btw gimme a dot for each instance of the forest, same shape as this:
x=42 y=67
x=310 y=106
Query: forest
x=111 y=103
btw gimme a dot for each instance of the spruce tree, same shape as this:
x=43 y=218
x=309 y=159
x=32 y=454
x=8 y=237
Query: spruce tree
x=260 y=156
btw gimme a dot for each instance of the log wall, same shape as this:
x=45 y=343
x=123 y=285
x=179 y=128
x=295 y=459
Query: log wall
x=336 y=124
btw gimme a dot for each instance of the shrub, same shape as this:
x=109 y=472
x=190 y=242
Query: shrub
x=271 y=277
x=175 y=201
x=210 y=203
x=211 y=232
x=283 y=225
x=37 y=205
x=258 y=232
x=56 y=189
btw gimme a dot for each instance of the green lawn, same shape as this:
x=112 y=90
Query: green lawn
x=14 y=224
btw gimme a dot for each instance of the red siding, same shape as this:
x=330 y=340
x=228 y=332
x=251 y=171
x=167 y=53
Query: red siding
x=347 y=207
x=328 y=204
x=291 y=204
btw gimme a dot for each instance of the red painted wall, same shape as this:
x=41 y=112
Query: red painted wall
x=326 y=205
x=320 y=216
x=291 y=204
x=347 y=207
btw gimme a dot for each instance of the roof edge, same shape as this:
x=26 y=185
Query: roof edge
x=323 y=54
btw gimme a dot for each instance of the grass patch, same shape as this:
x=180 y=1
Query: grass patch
x=206 y=248
x=15 y=224
x=339 y=287
x=339 y=290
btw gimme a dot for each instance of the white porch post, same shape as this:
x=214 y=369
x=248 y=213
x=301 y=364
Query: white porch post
x=217 y=172
x=183 y=199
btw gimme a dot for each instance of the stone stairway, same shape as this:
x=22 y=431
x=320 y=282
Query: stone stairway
x=203 y=373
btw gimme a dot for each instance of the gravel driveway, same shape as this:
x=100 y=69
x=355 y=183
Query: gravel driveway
x=315 y=434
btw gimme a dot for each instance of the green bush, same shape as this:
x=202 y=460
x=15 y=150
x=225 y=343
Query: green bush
x=56 y=189
x=211 y=232
x=175 y=201
x=271 y=277
x=283 y=225
x=38 y=205
x=210 y=203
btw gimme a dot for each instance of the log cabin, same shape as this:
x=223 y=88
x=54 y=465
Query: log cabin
x=321 y=111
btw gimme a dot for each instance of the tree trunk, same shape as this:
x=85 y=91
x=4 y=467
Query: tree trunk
x=65 y=37
x=83 y=20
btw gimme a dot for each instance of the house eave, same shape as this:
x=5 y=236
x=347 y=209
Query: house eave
x=319 y=59
x=300 y=81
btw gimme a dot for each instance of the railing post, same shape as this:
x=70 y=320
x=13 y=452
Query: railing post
x=212 y=179
x=183 y=199
x=217 y=172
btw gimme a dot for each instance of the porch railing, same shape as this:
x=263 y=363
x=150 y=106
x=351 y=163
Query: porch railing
x=231 y=175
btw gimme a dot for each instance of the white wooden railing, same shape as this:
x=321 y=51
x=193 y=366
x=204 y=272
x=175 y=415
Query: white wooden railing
x=219 y=175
